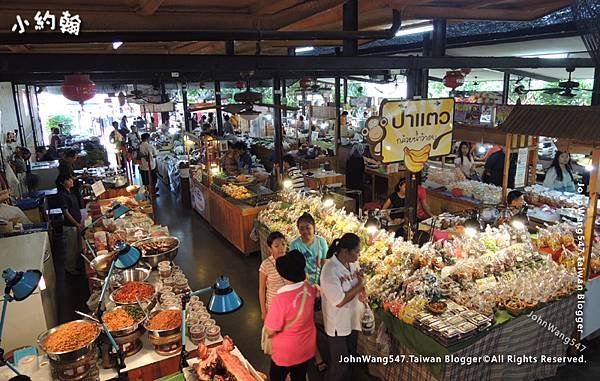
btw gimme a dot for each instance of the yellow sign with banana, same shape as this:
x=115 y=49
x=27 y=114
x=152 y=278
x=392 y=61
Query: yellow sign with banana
x=411 y=131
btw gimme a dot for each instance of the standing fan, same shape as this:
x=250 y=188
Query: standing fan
x=587 y=17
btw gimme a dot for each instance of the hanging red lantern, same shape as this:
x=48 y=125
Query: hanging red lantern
x=239 y=84
x=465 y=71
x=304 y=82
x=78 y=88
x=453 y=79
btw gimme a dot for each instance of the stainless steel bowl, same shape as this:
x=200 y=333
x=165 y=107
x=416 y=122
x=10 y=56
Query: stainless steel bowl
x=161 y=332
x=74 y=354
x=101 y=264
x=127 y=330
x=140 y=273
x=148 y=304
x=153 y=260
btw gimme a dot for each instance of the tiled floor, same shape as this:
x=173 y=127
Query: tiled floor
x=204 y=255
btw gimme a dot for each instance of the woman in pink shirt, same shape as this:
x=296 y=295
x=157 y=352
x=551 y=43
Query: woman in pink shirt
x=290 y=321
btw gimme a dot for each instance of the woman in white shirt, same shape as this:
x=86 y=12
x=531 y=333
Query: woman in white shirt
x=341 y=288
x=464 y=162
x=559 y=176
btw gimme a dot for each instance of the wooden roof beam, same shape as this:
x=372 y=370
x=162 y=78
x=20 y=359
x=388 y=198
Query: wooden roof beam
x=148 y=7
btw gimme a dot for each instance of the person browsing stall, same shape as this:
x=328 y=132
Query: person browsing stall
x=290 y=321
x=148 y=155
x=342 y=290
x=355 y=168
x=559 y=176
x=292 y=172
x=269 y=281
x=311 y=245
x=72 y=224
x=464 y=161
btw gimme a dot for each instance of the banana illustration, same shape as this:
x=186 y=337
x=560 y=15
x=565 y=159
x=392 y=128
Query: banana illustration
x=415 y=160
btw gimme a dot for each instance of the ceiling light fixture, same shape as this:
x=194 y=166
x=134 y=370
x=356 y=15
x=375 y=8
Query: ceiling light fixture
x=304 y=49
x=117 y=44
x=414 y=30
x=551 y=56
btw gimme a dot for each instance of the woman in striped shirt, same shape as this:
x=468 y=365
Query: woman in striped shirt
x=270 y=281
x=292 y=172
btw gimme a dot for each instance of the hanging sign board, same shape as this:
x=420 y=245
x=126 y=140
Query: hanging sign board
x=411 y=131
x=521 y=172
x=98 y=188
x=162 y=107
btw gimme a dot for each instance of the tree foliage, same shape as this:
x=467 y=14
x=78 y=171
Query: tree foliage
x=54 y=120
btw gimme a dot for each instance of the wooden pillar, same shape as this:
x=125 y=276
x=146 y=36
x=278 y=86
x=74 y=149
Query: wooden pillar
x=186 y=111
x=218 y=105
x=277 y=121
x=507 y=148
x=590 y=216
x=337 y=112
x=505 y=88
x=350 y=23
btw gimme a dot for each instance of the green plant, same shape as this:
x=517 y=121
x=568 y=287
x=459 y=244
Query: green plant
x=54 y=120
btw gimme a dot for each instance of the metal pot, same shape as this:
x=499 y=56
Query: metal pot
x=68 y=356
x=101 y=264
x=138 y=274
x=162 y=332
x=150 y=302
x=127 y=330
x=153 y=260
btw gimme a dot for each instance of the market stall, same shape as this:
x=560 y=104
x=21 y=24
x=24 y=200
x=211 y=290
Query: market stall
x=471 y=296
x=139 y=294
x=230 y=204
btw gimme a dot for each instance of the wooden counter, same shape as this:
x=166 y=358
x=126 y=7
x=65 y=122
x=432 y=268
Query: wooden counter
x=383 y=184
x=440 y=202
x=234 y=220
x=320 y=178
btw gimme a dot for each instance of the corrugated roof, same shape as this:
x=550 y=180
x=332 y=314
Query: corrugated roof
x=567 y=122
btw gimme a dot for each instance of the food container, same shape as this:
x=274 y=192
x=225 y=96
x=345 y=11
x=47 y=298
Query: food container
x=126 y=330
x=163 y=290
x=164 y=264
x=147 y=303
x=194 y=299
x=138 y=274
x=162 y=332
x=72 y=355
x=101 y=264
x=197 y=334
x=170 y=282
x=154 y=258
x=181 y=286
x=209 y=323
x=171 y=302
x=167 y=295
x=190 y=322
x=164 y=272
x=213 y=333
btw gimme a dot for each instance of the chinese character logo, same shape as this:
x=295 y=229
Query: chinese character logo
x=21 y=25
x=70 y=24
x=41 y=21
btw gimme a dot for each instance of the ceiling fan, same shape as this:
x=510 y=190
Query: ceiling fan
x=565 y=89
x=246 y=100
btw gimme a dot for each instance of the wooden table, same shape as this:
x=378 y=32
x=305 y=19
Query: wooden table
x=440 y=202
x=234 y=220
x=320 y=178
x=383 y=182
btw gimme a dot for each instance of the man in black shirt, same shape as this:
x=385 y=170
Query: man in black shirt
x=72 y=224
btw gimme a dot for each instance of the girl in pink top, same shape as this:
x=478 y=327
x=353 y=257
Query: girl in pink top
x=270 y=281
x=290 y=321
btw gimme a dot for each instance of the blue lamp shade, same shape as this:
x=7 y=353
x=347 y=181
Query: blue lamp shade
x=127 y=256
x=119 y=210
x=21 y=284
x=224 y=298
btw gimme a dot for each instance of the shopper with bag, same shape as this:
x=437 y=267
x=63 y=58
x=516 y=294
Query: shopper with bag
x=342 y=291
x=270 y=281
x=290 y=321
